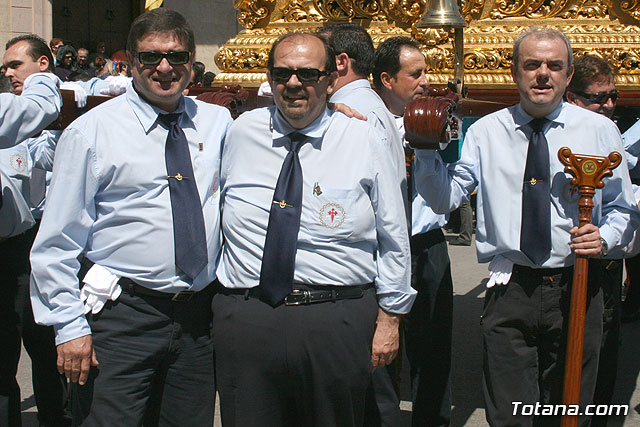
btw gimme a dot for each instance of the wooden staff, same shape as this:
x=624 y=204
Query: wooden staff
x=587 y=172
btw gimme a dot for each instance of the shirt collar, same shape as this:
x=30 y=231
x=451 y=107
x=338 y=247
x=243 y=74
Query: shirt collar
x=558 y=115
x=356 y=84
x=280 y=128
x=147 y=114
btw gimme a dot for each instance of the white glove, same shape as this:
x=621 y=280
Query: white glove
x=79 y=92
x=100 y=285
x=500 y=270
x=265 y=89
x=117 y=86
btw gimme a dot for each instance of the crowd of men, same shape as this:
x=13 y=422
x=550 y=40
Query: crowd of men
x=278 y=259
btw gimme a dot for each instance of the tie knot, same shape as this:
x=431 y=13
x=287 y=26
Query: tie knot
x=297 y=139
x=169 y=119
x=538 y=124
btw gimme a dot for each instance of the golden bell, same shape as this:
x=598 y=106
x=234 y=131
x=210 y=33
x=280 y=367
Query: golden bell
x=442 y=13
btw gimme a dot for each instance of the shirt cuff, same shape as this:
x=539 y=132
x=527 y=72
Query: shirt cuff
x=77 y=328
x=397 y=302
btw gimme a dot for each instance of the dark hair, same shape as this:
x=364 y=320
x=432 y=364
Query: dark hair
x=5 y=84
x=589 y=69
x=67 y=48
x=330 y=57
x=388 y=57
x=163 y=21
x=353 y=40
x=198 y=72
x=122 y=64
x=37 y=47
x=207 y=78
x=543 y=33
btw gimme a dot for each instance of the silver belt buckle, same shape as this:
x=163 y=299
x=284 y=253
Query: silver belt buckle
x=306 y=293
x=183 y=296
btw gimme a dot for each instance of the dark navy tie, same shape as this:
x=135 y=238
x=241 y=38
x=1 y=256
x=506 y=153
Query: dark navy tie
x=188 y=223
x=535 y=234
x=37 y=186
x=279 y=256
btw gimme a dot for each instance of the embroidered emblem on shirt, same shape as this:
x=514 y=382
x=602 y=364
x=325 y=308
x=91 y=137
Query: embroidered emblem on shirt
x=316 y=189
x=332 y=215
x=570 y=193
x=18 y=163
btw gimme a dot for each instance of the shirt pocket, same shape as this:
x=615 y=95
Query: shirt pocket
x=330 y=215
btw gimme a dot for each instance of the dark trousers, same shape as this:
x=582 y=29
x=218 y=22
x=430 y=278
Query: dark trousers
x=632 y=299
x=427 y=340
x=524 y=329
x=289 y=366
x=16 y=323
x=155 y=364
x=611 y=281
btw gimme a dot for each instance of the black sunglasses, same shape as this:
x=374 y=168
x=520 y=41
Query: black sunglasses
x=600 y=98
x=154 y=58
x=304 y=75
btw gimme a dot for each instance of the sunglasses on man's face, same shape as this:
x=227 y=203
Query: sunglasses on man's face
x=304 y=75
x=154 y=58
x=601 y=97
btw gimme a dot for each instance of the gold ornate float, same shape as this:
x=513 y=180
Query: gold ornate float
x=607 y=28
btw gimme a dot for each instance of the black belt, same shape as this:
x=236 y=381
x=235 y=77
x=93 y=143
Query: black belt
x=306 y=296
x=610 y=264
x=540 y=272
x=133 y=289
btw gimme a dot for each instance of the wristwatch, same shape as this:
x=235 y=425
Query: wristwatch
x=605 y=247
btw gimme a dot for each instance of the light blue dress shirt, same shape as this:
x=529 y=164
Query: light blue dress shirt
x=631 y=142
x=361 y=97
x=23 y=116
x=493 y=159
x=16 y=163
x=423 y=218
x=109 y=199
x=352 y=228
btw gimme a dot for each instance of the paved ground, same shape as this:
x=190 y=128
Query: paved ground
x=469 y=278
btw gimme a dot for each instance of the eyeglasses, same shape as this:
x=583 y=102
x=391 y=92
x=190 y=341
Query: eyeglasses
x=600 y=98
x=154 y=58
x=304 y=75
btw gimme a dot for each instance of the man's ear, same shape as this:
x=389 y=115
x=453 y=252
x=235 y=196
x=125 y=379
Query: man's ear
x=514 y=73
x=43 y=63
x=270 y=81
x=386 y=78
x=342 y=62
x=333 y=79
x=571 y=97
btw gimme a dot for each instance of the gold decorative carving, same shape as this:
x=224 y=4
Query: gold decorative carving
x=253 y=11
x=607 y=28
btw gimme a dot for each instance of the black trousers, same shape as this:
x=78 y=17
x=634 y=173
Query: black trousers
x=155 y=364
x=292 y=366
x=427 y=340
x=611 y=282
x=16 y=323
x=524 y=327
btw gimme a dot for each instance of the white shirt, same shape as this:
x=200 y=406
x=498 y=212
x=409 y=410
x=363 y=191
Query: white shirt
x=109 y=199
x=493 y=159
x=352 y=228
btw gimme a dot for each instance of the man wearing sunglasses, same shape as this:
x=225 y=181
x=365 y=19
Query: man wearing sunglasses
x=315 y=266
x=134 y=200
